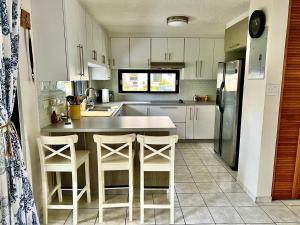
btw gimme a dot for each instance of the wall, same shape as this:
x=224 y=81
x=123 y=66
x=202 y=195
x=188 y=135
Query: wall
x=29 y=117
x=261 y=107
x=187 y=88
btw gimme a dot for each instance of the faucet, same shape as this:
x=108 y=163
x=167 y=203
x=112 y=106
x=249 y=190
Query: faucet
x=90 y=101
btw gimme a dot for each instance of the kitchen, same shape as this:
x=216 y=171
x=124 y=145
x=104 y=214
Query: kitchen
x=149 y=78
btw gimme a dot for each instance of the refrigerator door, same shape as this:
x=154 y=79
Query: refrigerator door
x=218 y=116
x=232 y=111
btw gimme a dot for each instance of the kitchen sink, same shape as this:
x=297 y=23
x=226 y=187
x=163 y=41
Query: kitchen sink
x=100 y=108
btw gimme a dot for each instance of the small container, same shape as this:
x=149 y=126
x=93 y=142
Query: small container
x=75 y=112
x=54 y=118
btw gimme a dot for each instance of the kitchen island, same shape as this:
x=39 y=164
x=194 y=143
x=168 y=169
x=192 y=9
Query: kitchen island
x=86 y=127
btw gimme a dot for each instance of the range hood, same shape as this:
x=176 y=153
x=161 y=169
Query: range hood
x=167 y=65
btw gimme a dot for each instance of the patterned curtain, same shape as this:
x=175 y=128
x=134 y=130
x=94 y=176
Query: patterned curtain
x=17 y=206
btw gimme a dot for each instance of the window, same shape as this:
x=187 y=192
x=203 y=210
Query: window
x=148 y=81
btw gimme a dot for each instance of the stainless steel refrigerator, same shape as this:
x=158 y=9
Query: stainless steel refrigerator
x=230 y=82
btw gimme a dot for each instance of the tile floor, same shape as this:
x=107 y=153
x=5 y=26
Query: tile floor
x=206 y=193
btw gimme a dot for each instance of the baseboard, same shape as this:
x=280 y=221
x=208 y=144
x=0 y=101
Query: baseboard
x=256 y=199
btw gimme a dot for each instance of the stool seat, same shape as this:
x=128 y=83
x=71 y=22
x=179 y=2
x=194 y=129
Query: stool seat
x=116 y=162
x=58 y=163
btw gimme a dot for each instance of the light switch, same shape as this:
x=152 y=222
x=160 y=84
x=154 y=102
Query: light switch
x=273 y=89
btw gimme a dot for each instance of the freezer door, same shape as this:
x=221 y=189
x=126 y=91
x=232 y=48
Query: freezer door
x=231 y=100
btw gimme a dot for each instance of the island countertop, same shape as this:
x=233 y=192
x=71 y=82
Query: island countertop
x=114 y=124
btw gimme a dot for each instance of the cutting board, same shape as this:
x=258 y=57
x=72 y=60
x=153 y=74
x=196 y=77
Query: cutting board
x=96 y=113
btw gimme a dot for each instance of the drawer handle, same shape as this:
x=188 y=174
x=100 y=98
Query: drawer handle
x=168 y=107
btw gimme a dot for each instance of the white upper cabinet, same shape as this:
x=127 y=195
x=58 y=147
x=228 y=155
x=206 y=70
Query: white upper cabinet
x=206 y=59
x=191 y=57
x=159 y=49
x=76 y=40
x=60 y=40
x=167 y=49
x=89 y=39
x=140 y=52
x=175 y=49
x=219 y=56
x=120 y=53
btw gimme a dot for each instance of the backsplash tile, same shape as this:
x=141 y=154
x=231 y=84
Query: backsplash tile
x=52 y=97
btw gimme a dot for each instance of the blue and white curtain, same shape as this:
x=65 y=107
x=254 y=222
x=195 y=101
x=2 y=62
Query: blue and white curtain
x=17 y=206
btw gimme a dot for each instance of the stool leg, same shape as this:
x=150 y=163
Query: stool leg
x=103 y=189
x=130 y=192
x=172 y=193
x=75 y=199
x=87 y=180
x=100 y=191
x=142 y=197
x=58 y=181
x=45 y=198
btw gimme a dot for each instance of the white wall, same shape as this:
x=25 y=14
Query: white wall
x=29 y=117
x=260 y=109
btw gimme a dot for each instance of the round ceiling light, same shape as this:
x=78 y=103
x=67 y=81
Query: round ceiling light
x=177 y=21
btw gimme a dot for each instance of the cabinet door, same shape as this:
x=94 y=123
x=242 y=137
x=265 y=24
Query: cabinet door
x=159 y=49
x=189 y=123
x=204 y=122
x=176 y=113
x=120 y=53
x=219 y=56
x=180 y=131
x=191 y=56
x=140 y=52
x=206 y=59
x=175 y=49
x=97 y=37
x=73 y=17
x=89 y=38
x=104 y=56
x=137 y=110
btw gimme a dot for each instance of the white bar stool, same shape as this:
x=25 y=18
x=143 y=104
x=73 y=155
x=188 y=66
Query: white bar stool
x=154 y=158
x=112 y=158
x=63 y=158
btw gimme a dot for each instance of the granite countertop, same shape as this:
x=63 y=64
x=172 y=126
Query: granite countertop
x=114 y=124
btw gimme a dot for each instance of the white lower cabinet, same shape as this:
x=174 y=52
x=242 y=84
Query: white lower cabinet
x=180 y=131
x=176 y=113
x=137 y=110
x=200 y=122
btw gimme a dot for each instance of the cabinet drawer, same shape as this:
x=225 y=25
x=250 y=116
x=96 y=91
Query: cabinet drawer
x=176 y=113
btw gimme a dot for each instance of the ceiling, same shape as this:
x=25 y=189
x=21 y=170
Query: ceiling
x=148 y=17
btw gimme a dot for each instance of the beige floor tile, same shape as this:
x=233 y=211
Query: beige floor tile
x=295 y=209
x=58 y=216
x=197 y=169
x=149 y=217
x=190 y=200
x=181 y=178
x=280 y=214
x=222 y=177
x=225 y=215
x=211 y=187
x=186 y=188
x=163 y=199
x=230 y=187
x=216 y=199
x=253 y=215
x=216 y=169
x=162 y=216
x=202 y=177
x=291 y=202
x=113 y=216
x=240 y=199
x=196 y=215
x=85 y=217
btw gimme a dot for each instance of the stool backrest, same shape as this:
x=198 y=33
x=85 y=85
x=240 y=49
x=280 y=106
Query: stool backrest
x=108 y=143
x=157 y=146
x=65 y=145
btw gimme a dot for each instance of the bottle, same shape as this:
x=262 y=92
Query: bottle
x=54 y=118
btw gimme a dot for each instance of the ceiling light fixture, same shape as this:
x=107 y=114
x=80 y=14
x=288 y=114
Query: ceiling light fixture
x=177 y=21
